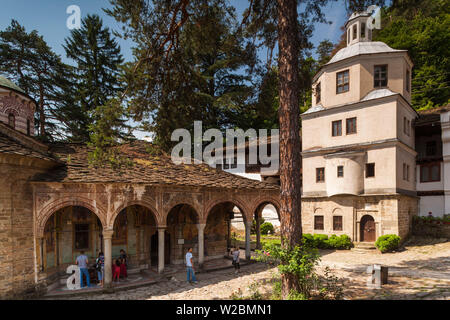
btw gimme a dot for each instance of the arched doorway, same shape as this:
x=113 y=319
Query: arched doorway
x=265 y=213
x=226 y=227
x=181 y=233
x=133 y=229
x=68 y=232
x=367 y=229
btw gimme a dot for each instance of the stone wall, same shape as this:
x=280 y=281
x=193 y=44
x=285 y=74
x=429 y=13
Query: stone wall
x=16 y=226
x=392 y=214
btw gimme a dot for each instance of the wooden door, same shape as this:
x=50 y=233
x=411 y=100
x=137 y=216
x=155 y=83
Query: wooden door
x=367 y=229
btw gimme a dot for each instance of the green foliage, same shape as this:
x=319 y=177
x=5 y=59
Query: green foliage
x=27 y=60
x=419 y=219
x=97 y=59
x=421 y=27
x=339 y=242
x=300 y=263
x=200 y=71
x=253 y=228
x=388 y=242
x=322 y=241
x=267 y=228
x=104 y=132
x=324 y=50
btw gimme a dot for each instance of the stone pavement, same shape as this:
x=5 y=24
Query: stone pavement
x=421 y=271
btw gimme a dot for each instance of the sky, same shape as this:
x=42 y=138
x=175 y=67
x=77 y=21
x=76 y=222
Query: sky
x=49 y=18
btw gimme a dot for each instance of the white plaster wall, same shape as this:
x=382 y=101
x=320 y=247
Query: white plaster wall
x=433 y=204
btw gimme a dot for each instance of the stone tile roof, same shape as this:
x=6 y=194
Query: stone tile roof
x=150 y=167
x=17 y=143
x=10 y=146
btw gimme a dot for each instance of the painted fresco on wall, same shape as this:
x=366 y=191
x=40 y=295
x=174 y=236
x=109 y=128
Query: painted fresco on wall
x=50 y=235
x=216 y=227
x=120 y=229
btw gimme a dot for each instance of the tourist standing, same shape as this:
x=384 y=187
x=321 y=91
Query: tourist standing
x=82 y=262
x=123 y=264
x=100 y=267
x=236 y=260
x=190 y=266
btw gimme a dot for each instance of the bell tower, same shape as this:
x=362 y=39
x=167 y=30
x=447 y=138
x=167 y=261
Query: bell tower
x=357 y=28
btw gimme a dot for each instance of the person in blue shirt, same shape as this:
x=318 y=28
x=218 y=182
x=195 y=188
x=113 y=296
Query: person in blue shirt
x=190 y=266
x=82 y=262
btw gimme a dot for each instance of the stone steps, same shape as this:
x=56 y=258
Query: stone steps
x=63 y=278
x=364 y=247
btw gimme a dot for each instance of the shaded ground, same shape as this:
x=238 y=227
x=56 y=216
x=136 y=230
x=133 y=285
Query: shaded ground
x=420 y=271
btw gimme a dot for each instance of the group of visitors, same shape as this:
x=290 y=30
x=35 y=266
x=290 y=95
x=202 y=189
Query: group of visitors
x=119 y=267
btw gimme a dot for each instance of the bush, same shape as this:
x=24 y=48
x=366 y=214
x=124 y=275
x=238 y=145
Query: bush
x=253 y=228
x=339 y=243
x=320 y=241
x=388 y=242
x=300 y=264
x=267 y=228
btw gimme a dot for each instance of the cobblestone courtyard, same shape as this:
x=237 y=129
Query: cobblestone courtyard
x=420 y=271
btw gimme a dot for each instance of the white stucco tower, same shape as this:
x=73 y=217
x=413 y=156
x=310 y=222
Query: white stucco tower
x=358 y=141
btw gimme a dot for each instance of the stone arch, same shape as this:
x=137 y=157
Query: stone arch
x=246 y=213
x=173 y=204
x=265 y=201
x=56 y=205
x=318 y=210
x=179 y=203
x=143 y=203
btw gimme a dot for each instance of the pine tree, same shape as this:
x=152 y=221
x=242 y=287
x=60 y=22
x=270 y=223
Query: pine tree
x=196 y=75
x=27 y=60
x=97 y=59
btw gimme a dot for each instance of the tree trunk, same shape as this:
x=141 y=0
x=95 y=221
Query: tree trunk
x=289 y=114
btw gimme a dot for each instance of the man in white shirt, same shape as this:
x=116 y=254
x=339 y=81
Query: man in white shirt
x=190 y=266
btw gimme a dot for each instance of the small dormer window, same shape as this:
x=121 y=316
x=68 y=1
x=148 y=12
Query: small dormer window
x=380 y=76
x=12 y=120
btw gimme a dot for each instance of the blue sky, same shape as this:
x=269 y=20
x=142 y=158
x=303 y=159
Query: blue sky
x=49 y=18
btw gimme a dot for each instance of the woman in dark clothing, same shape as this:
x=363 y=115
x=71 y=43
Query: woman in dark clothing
x=123 y=264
